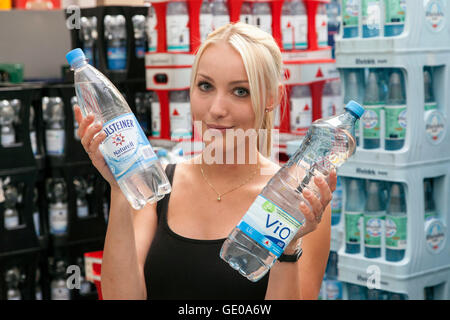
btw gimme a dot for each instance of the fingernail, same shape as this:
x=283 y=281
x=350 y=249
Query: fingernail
x=307 y=192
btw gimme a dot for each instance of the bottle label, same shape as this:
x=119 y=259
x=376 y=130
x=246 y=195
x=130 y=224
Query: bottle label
x=395 y=122
x=82 y=211
x=180 y=120
x=55 y=139
x=435 y=235
x=58 y=218
x=8 y=139
x=396 y=232
x=117 y=58
x=11 y=219
x=333 y=289
x=178 y=32
x=287 y=32
x=373 y=223
x=300 y=31
x=301 y=115
x=125 y=148
x=371 y=14
x=435 y=126
x=350 y=13
x=434 y=15
x=156 y=119
x=352 y=230
x=371 y=121
x=395 y=12
x=269 y=225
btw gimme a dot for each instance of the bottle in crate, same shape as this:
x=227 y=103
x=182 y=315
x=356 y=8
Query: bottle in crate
x=300 y=21
x=350 y=18
x=287 y=27
x=54 y=117
x=177 y=24
x=395 y=225
x=139 y=35
x=7 y=116
x=371 y=18
x=395 y=112
x=354 y=208
x=336 y=203
x=221 y=15
x=205 y=20
x=126 y=148
x=395 y=12
x=246 y=13
x=11 y=214
x=116 y=42
x=152 y=33
x=374 y=215
x=262 y=16
x=372 y=117
x=180 y=115
x=58 y=207
x=12 y=280
x=322 y=25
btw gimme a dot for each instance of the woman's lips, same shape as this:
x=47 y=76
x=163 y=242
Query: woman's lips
x=217 y=127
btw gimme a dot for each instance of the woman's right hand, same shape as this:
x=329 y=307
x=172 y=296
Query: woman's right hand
x=87 y=131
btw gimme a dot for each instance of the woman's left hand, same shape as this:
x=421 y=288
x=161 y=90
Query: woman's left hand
x=313 y=213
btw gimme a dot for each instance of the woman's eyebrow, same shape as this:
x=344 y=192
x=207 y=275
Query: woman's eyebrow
x=232 y=82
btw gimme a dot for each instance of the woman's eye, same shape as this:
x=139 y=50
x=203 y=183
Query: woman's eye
x=241 y=92
x=204 y=86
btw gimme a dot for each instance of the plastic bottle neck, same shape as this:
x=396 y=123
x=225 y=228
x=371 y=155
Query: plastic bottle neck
x=79 y=63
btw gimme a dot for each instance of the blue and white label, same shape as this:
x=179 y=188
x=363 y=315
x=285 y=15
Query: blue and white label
x=269 y=225
x=125 y=148
x=117 y=58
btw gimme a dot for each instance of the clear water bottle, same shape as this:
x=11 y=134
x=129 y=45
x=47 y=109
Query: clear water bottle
x=206 y=20
x=221 y=15
x=287 y=26
x=374 y=215
x=334 y=288
x=11 y=215
x=81 y=186
x=152 y=33
x=54 y=126
x=7 y=116
x=262 y=16
x=126 y=148
x=373 y=104
x=396 y=223
x=12 y=279
x=58 y=285
x=395 y=12
x=395 y=112
x=301 y=109
x=274 y=218
x=139 y=35
x=116 y=42
x=322 y=25
x=156 y=115
x=180 y=115
x=73 y=102
x=300 y=24
x=371 y=18
x=350 y=18
x=86 y=38
x=334 y=23
x=336 y=203
x=33 y=136
x=58 y=209
x=246 y=13
x=177 y=24
x=354 y=208
x=353 y=92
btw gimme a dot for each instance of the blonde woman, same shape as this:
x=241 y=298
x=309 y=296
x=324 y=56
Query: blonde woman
x=170 y=250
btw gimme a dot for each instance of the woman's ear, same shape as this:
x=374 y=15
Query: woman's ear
x=271 y=105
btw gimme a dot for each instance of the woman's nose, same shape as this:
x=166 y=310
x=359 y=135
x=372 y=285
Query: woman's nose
x=219 y=108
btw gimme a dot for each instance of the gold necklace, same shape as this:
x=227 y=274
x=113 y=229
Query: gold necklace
x=220 y=195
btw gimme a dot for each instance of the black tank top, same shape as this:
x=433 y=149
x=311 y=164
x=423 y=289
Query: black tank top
x=186 y=269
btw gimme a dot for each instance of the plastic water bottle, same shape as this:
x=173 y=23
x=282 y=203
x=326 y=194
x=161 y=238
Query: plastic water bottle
x=430 y=206
x=11 y=215
x=395 y=112
x=58 y=208
x=372 y=117
x=126 y=149
x=287 y=26
x=300 y=24
x=396 y=223
x=274 y=217
x=206 y=20
x=354 y=208
x=139 y=35
x=356 y=292
x=334 y=288
x=221 y=15
x=180 y=115
x=374 y=215
x=8 y=134
x=371 y=18
x=12 y=279
x=177 y=22
x=350 y=18
x=301 y=109
x=430 y=101
x=336 y=203
x=33 y=137
x=156 y=116
x=80 y=185
x=246 y=13
x=262 y=16
x=87 y=39
x=395 y=11
x=152 y=33
x=54 y=117
x=116 y=42
x=58 y=286
x=143 y=106
x=352 y=92
x=334 y=22
x=322 y=25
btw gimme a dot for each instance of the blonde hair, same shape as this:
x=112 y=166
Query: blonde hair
x=263 y=65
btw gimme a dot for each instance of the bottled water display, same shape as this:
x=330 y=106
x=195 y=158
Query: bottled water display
x=322 y=25
x=58 y=215
x=88 y=35
x=396 y=223
x=333 y=287
x=353 y=92
x=152 y=33
x=301 y=109
x=81 y=188
x=395 y=11
x=180 y=115
x=13 y=277
x=354 y=208
x=139 y=34
x=58 y=286
x=11 y=215
x=177 y=24
x=395 y=112
x=372 y=117
x=116 y=41
x=206 y=20
x=156 y=115
x=336 y=203
x=126 y=148
x=350 y=18
x=374 y=215
x=53 y=109
x=274 y=218
x=371 y=18
x=7 y=116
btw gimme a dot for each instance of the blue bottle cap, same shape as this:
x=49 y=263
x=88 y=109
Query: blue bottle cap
x=75 y=55
x=355 y=107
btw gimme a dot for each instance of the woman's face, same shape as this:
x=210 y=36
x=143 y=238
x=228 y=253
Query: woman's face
x=220 y=99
